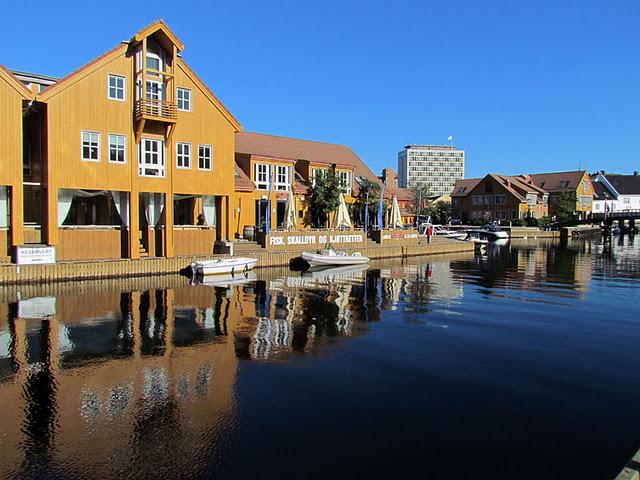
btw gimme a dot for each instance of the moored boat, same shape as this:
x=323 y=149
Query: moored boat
x=329 y=256
x=490 y=233
x=233 y=265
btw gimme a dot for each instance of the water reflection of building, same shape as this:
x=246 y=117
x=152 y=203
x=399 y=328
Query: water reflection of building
x=127 y=365
x=530 y=265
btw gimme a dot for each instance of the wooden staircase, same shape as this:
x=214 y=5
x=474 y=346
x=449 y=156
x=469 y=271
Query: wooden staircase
x=244 y=247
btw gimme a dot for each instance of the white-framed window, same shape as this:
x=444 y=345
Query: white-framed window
x=532 y=199
x=183 y=155
x=476 y=199
x=500 y=199
x=117 y=148
x=183 y=96
x=282 y=177
x=345 y=181
x=116 y=87
x=315 y=174
x=626 y=200
x=90 y=146
x=205 y=157
x=261 y=176
x=151 y=158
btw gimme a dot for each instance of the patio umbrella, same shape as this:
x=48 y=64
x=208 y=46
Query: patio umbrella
x=341 y=218
x=290 y=213
x=396 y=219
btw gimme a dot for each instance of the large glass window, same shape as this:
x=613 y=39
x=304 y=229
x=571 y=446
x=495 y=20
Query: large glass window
x=151 y=158
x=183 y=155
x=116 y=87
x=204 y=157
x=184 y=99
x=117 y=148
x=91 y=146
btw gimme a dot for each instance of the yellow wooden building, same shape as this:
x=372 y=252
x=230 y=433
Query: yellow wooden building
x=13 y=95
x=274 y=167
x=130 y=155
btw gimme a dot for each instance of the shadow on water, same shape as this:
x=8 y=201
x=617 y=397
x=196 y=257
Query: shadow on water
x=157 y=377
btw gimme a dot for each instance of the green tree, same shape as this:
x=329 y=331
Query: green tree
x=363 y=201
x=418 y=189
x=438 y=211
x=325 y=196
x=565 y=207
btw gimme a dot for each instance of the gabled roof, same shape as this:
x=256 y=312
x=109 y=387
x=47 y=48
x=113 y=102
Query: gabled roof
x=558 y=181
x=166 y=34
x=601 y=192
x=297 y=149
x=242 y=183
x=80 y=73
x=16 y=84
x=463 y=186
x=625 y=184
x=209 y=94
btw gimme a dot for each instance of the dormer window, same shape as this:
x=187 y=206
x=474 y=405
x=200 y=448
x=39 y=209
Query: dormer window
x=563 y=184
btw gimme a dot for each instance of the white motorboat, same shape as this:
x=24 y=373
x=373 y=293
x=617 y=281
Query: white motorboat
x=441 y=231
x=491 y=233
x=233 y=265
x=329 y=256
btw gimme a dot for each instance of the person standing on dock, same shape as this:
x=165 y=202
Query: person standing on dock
x=429 y=232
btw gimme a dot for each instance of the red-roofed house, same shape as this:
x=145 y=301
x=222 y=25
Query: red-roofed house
x=498 y=197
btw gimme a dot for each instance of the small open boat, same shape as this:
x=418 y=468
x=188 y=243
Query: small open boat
x=329 y=256
x=233 y=265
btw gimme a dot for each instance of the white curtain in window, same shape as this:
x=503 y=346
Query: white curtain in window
x=65 y=198
x=4 y=207
x=209 y=209
x=153 y=207
x=121 y=201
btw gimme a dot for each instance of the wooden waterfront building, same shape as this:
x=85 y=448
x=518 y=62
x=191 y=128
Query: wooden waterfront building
x=130 y=155
x=577 y=184
x=13 y=95
x=498 y=197
x=291 y=165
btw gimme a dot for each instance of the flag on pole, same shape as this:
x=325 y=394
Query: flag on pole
x=267 y=217
x=380 y=208
x=419 y=206
x=450 y=139
x=366 y=213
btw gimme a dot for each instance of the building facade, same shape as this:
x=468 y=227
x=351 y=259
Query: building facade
x=436 y=167
x=498 y=198
x=576 y=184
x=277 y=167
x=130 y=155
x=616 y=193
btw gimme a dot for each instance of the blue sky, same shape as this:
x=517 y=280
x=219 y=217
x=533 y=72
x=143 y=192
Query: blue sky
x=522 y=86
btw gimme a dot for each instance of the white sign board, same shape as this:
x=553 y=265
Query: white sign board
x=35 y=255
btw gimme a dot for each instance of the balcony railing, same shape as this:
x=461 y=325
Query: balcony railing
x=156 y=110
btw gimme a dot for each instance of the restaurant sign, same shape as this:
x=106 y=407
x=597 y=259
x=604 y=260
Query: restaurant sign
x=275 y=241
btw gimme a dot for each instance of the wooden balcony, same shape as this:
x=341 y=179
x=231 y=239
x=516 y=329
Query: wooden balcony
x=158 y=110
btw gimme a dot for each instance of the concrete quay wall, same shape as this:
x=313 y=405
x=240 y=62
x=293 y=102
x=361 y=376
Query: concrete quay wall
x=11 y=274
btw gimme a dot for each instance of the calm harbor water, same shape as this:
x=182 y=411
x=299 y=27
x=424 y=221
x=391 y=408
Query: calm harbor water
x=520 y=363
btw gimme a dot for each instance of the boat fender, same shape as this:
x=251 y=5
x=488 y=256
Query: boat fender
x=233 y=271
x=246 y=268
